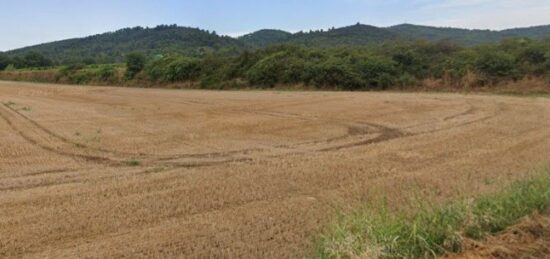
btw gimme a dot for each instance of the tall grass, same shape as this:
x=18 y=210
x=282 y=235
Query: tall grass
x=433 y=230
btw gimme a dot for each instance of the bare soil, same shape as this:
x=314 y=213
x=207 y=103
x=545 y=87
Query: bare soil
x=530 y=238
x=113 y=172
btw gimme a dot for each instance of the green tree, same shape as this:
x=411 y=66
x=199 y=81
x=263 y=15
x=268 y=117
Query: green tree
x=377 y=72
x=35 y=59
x=337 y=72
x=496 y=65
x=135 y=62
x=282 y=67
x=173 y=68
x=5 y=61
x=546 y=64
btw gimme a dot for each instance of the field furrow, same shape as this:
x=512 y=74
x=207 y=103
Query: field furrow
x=114 y=172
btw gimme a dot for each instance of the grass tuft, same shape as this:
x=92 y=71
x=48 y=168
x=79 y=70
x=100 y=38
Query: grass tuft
x=433 y=230
x=133 y=162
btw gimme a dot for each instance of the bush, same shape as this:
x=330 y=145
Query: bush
x=337 y=72
x=280 y=67
x=68 y=69
x=106 y=73
x=67 y=72
x=377 y=72
x=135 y=62
x=496 y=65
x=10 y=67
x=173 y=69
x=82 y=76
x=182 y=69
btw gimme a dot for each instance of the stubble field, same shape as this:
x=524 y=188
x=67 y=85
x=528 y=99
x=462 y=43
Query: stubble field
x=113 y=172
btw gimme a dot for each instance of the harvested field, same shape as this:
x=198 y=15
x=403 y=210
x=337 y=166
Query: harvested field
x=108 y=172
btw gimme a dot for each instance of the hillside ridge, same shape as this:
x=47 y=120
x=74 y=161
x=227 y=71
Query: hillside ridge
x=113 y=46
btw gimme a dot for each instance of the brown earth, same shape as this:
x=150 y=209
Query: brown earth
x=528 y=239
x=114 y=172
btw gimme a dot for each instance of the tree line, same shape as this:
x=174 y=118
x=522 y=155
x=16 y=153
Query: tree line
x=29 y=60
x=353 y=68
x=392 y=64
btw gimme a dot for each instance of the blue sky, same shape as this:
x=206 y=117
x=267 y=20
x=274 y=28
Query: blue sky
x=28 y=22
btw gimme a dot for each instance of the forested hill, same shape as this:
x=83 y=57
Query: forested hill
x=360 y=34
x=350 y=36
x=265 y=37
x=113 y=46
x=355 y=35
x=465 y=36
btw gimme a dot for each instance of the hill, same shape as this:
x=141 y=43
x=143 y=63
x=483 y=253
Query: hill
x=360 y=34
x=113 y=46
x=460 y=36
x=466 y=36
x=355 y=35
x=265 y=37
x=535 y=32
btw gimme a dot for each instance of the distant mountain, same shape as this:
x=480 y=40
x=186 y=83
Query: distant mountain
x=465 y=36
x=535 y=32
x=113 y=46
x=460 y=36
x=358 y=34
x=265 y=37
x=346 y=36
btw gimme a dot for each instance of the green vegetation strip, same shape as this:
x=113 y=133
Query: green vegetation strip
x=398 y=65
x=434 y=230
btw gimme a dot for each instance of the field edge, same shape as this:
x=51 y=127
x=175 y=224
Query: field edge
x=436 y=230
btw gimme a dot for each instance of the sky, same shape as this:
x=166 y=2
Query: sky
x=29 y=22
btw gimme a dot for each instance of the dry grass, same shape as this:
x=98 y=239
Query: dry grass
x=530 y=238
x=528 y=86
x=238 y=174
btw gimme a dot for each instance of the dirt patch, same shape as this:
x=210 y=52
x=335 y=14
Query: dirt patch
x=530 y=238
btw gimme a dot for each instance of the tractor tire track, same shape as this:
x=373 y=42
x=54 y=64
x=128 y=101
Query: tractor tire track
x=31 y=140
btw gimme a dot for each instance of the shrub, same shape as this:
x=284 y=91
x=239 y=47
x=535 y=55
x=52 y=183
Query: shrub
x=106 y=73
x=337 y=72
x=377 y=72
x=10 y=67
x=133 y=162
x=280 y=67
x=496 y=66
x=135 y=62
x=182 y=69
x=173 y=69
